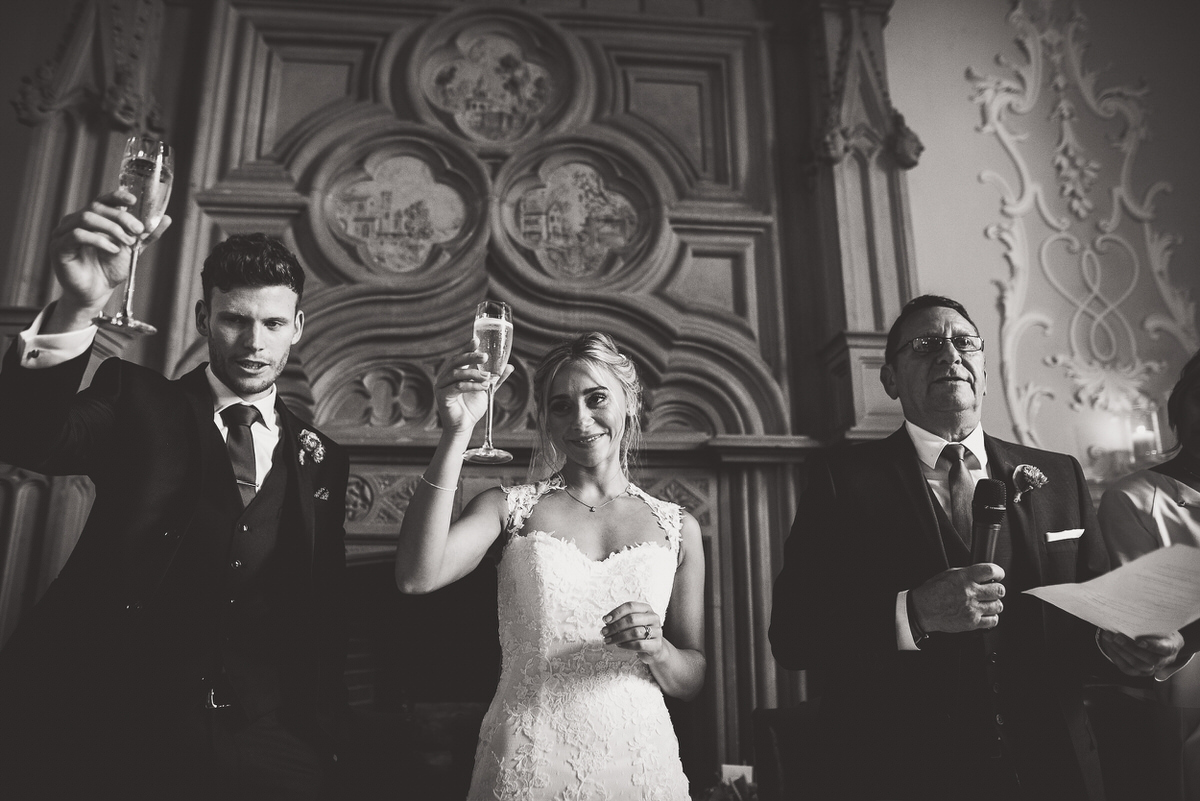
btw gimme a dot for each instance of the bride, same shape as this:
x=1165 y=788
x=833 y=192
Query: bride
x=600 y=586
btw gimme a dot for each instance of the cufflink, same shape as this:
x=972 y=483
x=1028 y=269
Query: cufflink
x=32 y=354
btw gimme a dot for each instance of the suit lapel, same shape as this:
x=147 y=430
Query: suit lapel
x=1021 y=518
x=906 y=471
x=302 y=474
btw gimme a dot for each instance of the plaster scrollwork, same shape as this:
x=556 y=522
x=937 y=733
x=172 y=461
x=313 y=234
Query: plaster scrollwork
x=1097 y=266
x=495 y=77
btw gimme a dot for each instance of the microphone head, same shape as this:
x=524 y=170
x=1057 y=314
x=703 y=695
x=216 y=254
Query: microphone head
x=988 y=503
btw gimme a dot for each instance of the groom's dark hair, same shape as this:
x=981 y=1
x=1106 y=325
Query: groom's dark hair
x=251 y=260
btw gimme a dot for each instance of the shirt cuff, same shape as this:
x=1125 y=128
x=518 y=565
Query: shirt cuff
x=1162 y=674
x=38 y=351
x=905 y=641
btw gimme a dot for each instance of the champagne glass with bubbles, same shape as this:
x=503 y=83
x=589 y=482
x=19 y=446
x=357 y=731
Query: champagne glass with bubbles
x=493 y=331
x=147 y=170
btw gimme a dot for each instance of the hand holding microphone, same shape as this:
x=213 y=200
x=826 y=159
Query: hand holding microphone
x=987 y=513
x=968 y=598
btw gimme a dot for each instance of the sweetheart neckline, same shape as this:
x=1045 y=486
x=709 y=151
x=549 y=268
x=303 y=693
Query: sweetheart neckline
x=572 y=546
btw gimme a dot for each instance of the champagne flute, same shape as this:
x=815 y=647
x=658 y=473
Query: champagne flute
x=493 y=331
x=147 y=170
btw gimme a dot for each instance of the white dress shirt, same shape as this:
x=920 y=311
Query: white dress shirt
x=929 y=450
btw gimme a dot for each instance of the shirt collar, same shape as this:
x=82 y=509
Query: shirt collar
x=929 y=446
x=224 y=397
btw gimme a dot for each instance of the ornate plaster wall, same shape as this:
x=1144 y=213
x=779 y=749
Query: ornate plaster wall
x=1061 y=174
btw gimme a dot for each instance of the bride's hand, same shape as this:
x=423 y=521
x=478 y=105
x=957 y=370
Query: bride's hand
x=462 y=389
x=634 y=626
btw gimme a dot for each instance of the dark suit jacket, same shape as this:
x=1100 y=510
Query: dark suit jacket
x=866 y=529
x=91 y=646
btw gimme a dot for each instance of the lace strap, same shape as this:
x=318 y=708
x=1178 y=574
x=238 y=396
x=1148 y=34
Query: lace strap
x=521 y=500
x=669 y=515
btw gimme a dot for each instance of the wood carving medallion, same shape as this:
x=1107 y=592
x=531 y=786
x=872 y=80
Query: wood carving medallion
x=578 y=211
x=403 y=204
x=495 y=77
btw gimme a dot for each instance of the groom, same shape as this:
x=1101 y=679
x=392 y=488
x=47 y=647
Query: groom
x=192 y=646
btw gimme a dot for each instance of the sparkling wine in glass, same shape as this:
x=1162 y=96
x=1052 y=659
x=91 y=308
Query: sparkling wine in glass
x=493 y=331
x=147 y=170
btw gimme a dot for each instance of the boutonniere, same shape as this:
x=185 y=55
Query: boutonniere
x=310 y=444
x=1027 y=478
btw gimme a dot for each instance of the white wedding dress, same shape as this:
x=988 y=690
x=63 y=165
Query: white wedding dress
x=573 y=718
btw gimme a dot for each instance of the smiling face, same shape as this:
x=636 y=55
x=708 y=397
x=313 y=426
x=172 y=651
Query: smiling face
x=250 y=332
x=586 y=414
x=941 y=392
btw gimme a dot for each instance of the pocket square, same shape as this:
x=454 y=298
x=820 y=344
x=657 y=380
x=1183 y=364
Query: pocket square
x=1065 y=534
x=322 y=494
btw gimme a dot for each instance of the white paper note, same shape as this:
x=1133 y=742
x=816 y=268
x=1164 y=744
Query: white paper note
x=1155 y=594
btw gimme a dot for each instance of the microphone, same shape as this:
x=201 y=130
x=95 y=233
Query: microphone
x=987 y=513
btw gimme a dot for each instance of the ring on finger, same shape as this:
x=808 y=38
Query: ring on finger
x=649 y=631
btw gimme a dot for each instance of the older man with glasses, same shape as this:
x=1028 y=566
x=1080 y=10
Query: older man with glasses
x=938 y=677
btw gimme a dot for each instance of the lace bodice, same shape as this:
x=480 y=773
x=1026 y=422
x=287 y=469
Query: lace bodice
x=574 y=718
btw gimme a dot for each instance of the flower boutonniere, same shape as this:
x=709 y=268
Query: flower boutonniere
x=310 y=444
x=1027 y=478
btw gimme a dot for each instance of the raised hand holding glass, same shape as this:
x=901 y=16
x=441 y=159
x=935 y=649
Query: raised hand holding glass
x=147 y=171
x=493 y=332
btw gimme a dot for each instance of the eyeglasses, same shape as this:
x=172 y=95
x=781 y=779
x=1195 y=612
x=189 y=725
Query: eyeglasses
x=963 y=343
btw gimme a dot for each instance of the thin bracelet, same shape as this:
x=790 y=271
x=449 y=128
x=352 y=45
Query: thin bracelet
x=437 y=486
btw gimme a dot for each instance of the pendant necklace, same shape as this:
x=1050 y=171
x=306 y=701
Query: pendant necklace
x=590 y=507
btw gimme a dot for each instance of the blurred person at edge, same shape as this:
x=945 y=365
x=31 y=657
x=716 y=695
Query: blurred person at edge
x=1157 y=508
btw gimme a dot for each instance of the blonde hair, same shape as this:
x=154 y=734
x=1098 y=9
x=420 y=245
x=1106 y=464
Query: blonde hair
x=597 y=351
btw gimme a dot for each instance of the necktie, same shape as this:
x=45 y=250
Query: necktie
x=962 y=490
x=240 y=443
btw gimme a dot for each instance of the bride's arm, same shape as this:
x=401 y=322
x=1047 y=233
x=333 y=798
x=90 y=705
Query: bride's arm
x=680 y=665
x=432 y=551
x=674 y=651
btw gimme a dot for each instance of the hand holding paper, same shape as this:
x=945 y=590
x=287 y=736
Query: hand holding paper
x=1158 y=593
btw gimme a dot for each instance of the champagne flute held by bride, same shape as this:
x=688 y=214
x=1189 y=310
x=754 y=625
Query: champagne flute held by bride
x=493 y=331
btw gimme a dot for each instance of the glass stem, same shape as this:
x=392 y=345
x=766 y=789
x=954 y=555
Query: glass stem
x=487 y=430
x=133 y=260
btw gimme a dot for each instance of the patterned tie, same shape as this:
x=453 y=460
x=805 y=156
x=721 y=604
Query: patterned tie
x=962 y=489
x=240 y=443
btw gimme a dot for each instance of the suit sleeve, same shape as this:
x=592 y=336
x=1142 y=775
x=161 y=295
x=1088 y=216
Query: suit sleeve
x=1128 y=531
x=833 y=603
x=48 y=425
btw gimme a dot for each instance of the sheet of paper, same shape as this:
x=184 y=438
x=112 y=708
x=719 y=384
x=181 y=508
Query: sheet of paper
x=1154 y=594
